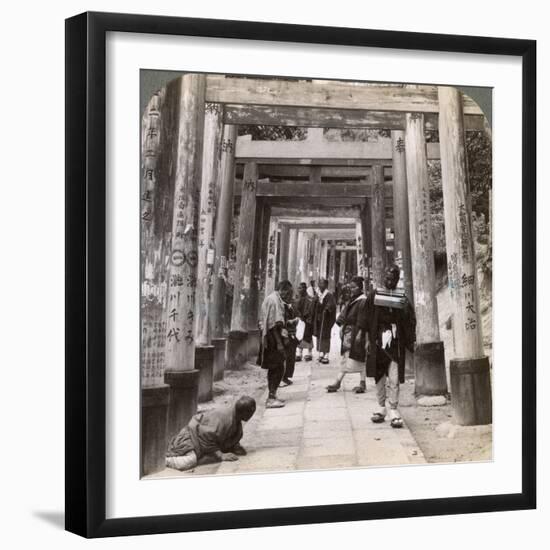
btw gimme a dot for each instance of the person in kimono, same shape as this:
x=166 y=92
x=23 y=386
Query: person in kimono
x=305 y=309
x=344 y=296
x=274 y=336
x=290 y=343
x=216 y=432
x=353 y=333
x=325 y=316
x=391 y=331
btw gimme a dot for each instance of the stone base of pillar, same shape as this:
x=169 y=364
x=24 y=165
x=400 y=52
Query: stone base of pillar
x=429 y=366
x=253 y=344
x=154 y=419
x=184 y=390
x=219 y=358
x=204 y=363
x=409 y=365
x=237 y=349
x=471 y=391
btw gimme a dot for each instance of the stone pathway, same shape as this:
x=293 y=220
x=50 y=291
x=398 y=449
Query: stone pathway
x=317 y=430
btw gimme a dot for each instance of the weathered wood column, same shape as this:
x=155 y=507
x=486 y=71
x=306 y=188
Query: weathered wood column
x=271 y=256
x=222 y=238
x=307 y=248
x=324 y=260
x=284 y=253
x=213 y=134
x=301 y=261
x=366 y=225
x=359 y=247
x=155 y=394
x=470 y=371
x=429 y=354
x=264 y=245
x=402 y=241
x=237 y=346
x=305 y=273
x=332 y=266
x=352 y=263
x=204 y=350
x=312 y=239
x=342 y=269
x=253 y=340
x=180 y=372
x=317 y=260
x=292 y=255
x=378 y=226
x=365 y=218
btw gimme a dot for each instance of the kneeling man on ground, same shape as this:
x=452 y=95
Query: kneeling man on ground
x=214 y=432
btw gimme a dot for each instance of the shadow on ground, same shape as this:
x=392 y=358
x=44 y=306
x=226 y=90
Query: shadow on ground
x=57 y=519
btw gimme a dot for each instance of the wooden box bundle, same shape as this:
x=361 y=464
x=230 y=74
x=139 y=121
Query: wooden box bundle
x=390 y=298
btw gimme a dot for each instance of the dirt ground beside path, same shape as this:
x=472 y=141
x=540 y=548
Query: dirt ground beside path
x=439 y=438
x=432 y=427
x=249 y=380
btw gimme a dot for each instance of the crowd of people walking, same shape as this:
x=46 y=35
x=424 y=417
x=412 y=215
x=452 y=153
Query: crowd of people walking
x=376 y=327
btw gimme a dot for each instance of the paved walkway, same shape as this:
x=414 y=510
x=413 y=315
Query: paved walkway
x=317 y=430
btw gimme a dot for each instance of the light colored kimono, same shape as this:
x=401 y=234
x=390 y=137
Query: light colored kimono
x=273 y=312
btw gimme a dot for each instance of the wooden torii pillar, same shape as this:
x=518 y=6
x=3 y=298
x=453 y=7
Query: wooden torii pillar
x=180 y=373
x=317 y=260
x=359 y=247
x=262 y=267
x=342 y=269
x=429 y=356
x=292 y=255
x=271 y=256
x=237 y=350
x=284 y=253
x=378 y=226
x=366 y=234
x=470 y=371
x=332 y=266
x=212 y=146
x=253 y=339
x=222 y=238
x=155 y=394
x=302 y=260
x=308 y=242
x=312 y=241
x=366 y=221
x=402 y=243
x=324 y=260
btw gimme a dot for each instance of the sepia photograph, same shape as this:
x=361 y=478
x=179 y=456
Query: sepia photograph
x=316 y=274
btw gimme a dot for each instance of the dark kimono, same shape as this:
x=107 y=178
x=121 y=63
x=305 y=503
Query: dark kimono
x=380 y=319
x=325 y=316
x=305 y=309
x=290 y=342
x=353 y=322
x=270 y=357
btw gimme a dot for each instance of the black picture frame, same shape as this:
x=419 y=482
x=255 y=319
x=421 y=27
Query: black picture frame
x=86 y=273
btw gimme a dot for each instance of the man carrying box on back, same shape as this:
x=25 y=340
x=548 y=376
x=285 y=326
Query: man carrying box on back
x=392 y=327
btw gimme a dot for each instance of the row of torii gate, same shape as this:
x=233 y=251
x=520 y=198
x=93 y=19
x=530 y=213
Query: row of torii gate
x=292 y=202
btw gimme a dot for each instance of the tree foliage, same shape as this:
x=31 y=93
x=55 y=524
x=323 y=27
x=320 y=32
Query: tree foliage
x=479 y=159
x=479 y=156
x=273 y=133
